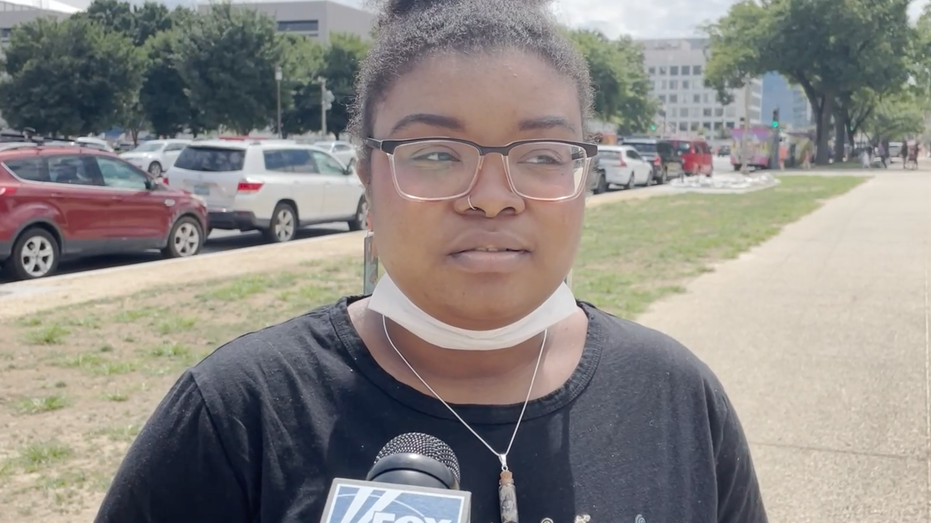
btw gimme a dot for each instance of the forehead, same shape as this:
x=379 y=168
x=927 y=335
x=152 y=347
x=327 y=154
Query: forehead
x=487 y=93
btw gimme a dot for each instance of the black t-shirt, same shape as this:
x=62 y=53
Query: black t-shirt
x=641 y=432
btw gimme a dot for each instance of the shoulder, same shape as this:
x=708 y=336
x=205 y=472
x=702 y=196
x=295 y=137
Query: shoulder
x=294 y=351
x=642 y=359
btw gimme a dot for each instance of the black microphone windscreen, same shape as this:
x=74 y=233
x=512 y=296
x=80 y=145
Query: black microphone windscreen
x=425 y=445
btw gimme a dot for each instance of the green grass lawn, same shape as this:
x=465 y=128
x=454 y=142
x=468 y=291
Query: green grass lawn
x=76 y=384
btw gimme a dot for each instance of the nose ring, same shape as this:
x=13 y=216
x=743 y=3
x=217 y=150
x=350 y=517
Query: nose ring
x=469 y=200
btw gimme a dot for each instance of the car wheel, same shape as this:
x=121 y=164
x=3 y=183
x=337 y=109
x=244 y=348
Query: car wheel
x=357 y=223
x=35 y=255
x=283 y=225
x=602 y=186
x=155 y=169
x=185 y=239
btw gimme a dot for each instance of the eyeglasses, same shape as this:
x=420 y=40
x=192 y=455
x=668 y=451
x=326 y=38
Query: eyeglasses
x=434 y=169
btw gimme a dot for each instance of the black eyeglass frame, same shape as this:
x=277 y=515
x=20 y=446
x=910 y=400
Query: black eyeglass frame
x=389 y=146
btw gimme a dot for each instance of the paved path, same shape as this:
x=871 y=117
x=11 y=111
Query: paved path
x=821 y=339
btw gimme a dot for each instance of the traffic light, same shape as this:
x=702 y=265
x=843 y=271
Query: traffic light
x=652 y=127
x=775 y=118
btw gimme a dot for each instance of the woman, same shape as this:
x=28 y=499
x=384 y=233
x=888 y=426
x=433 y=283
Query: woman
x=472 y=115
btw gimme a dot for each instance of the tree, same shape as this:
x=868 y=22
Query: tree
x=112 y=15
x=70 y=76
x=342 y=60
x=150 y=19
x=227 y=60
x=831 y=49
x=895 y=118
x=302 y=66
x=163 y=94
x=620 y=81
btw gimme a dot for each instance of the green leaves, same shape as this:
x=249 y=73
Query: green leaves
x=69 y=76
x=621 y=84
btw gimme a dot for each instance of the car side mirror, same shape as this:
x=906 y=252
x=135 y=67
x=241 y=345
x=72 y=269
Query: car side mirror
x=348 y=170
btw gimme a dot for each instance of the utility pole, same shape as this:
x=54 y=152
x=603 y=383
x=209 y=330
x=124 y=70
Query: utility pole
x=323 y=107
x=744 y=157
x=278 y=77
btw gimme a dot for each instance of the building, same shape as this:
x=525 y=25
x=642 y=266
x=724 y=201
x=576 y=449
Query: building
x=688 y=108
x=794 y=109
x=15 y=12
x=315 y=19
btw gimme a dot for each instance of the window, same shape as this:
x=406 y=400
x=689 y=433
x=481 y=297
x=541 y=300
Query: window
x=120 y=175
x=71 y=170
x=662 y=98
x=730 y=111
x=684 y=112
x=149 y=147
x=674 y=70
x=706 y=125
x=696 y=70
x=290 y=161
x=634 y=156
x=299 y=26
x=686 y=147
x=693 y=126
x=696 y=98
x=175 y=147
x=706 y=112
x=683 y=126
x=663 y=85
x=685 y=85
x=644 y=147
x=685 y=70
x=706 y=98
x=29 y=169
x=730 y=125
x=328 y=165
x=673 y=98
x=662 y=70
x=718 y=112
x=673 y=84
x=211 y=159
x=341 y=147
x=651 y=71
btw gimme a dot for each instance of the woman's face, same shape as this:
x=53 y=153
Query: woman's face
x=436 y=251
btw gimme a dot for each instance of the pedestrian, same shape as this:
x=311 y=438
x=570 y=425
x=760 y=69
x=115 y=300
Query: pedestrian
x=472 y=116
x=904 y=155
x=881 y=153
x=865 y=157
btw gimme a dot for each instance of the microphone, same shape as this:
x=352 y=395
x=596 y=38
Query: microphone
x=415 y=479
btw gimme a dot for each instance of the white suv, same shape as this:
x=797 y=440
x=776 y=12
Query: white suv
x=276 y=186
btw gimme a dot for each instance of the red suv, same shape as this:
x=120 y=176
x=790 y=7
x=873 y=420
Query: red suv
x=66 y=201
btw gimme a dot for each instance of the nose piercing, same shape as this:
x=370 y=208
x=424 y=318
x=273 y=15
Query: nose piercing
x=469 y=200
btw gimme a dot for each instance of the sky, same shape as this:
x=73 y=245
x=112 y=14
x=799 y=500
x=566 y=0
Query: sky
x=637 y=18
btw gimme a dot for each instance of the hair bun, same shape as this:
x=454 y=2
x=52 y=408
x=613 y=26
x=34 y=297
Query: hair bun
x=403 y=8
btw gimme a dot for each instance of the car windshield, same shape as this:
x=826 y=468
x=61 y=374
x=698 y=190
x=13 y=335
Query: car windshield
x=149 y=147
x=211 y=159
x=684 y=147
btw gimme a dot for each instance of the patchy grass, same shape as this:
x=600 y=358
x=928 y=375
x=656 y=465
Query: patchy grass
x=77 y=384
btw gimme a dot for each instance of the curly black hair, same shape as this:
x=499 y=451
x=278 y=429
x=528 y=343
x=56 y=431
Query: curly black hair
x=407 y=31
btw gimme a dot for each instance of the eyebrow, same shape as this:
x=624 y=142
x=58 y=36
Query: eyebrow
x=455 y=124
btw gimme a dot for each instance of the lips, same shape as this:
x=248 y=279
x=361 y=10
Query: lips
x=490 y=250
x=488 y=242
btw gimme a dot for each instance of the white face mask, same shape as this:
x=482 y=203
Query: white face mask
x=388 y=300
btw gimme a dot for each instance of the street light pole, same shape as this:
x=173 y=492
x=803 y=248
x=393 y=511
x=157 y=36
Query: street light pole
x=278 y=77
x=745 y=163
x=323 y=103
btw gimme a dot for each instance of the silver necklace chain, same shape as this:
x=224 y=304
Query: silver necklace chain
x=502 y=457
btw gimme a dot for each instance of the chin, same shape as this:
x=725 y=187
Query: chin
x=491 y=304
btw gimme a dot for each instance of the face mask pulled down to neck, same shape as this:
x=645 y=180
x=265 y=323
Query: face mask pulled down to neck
x=389 y=301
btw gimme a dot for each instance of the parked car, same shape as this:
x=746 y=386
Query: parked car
x=60 y=202
x=155 y=156
x=622 y=165
x=345 y=152
x=275 y=187
x=667 y=164
x=696 y=156
x=724 y=150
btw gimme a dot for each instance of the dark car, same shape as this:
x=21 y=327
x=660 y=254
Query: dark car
x=61 y=201
x=667 y=163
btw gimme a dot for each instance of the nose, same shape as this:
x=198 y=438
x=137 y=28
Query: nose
x=492 y=192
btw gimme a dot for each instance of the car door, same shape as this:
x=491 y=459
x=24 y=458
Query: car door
x=139 y=217
x=343 y=191
x=78 y=192
x=296 y=168
x=641 y=169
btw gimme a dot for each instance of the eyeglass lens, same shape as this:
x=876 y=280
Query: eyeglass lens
x=445 y=169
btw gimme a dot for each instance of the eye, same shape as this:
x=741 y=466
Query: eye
x=435 y=156
x=542 y=157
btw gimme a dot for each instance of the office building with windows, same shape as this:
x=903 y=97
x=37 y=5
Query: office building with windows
x=794 y=109
x=15 y=12
x=313 y=19
x=687 y=108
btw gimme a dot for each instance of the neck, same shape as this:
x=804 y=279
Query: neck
x=436 y=363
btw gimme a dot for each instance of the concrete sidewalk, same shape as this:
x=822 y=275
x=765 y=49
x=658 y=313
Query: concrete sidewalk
x=821 y=338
